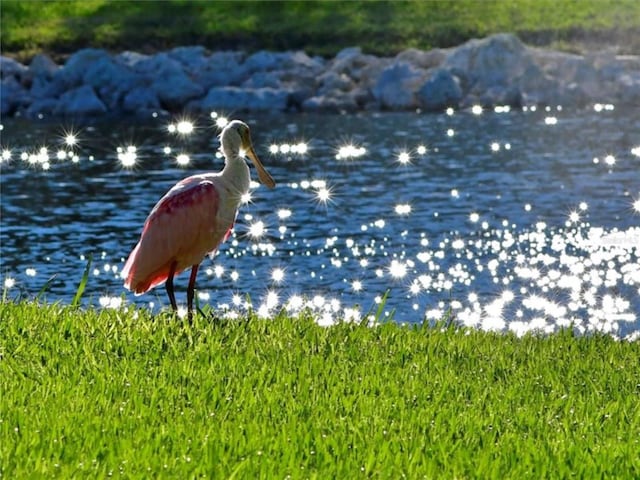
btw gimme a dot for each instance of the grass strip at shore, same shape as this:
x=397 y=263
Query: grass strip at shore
x=105 y=392
x=319 y=27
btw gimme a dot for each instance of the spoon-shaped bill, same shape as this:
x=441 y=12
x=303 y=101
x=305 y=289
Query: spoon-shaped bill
x=263 y=175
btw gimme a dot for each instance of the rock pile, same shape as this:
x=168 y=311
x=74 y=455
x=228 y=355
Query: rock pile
x=498 y=70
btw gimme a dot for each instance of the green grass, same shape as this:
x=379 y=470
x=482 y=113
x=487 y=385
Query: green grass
x=95 y=393
x=319 y=27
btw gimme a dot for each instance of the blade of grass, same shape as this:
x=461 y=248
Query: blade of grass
x=46 y=286
x=83 y=283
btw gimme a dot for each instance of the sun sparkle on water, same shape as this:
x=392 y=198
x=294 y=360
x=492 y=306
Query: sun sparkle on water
x=543 y=276
x=257 y=229
x=277 y=275
x=127 y=156
x=185 y=127
x=323 y=194
x=70 y=139
x=350 y=151
x=246 y=198
x=284 y=213
x=574 y=217
x=183 y=159
x=404 y=158
x=403 y=209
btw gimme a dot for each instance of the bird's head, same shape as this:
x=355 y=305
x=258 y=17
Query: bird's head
x=236 y=138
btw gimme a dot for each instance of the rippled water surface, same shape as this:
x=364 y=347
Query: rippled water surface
x=514 y=220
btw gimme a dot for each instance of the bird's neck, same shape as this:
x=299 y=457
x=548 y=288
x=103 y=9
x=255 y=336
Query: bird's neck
x=236 y=174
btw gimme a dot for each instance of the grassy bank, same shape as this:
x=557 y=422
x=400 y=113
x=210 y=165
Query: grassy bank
x=319 y=27
x=101 y=392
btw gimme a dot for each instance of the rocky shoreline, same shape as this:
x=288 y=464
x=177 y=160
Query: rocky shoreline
x=497 y=70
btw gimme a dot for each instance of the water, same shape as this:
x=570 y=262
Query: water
x=520 y=220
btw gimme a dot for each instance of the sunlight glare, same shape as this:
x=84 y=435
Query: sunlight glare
x=284 y=213
x=403 y=209
x=397 y=269
x=70 y=139
x=128 y=156
x=277 y=275
x=183 y=159
x=257 y=229
x=185 y=127
x=221 y=122
x=323 y=195
x=404 y=158
x=349 y=151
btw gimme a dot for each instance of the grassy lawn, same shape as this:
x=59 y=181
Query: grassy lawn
x=319 y=27
x=98 y=393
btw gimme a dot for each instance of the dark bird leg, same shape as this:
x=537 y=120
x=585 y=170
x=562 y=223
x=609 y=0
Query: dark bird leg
x=190 y=290
x=169 y=287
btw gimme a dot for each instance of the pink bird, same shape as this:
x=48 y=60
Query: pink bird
x=193 y=219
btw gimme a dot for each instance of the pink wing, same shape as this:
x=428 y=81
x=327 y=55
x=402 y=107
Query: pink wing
x=183 y=227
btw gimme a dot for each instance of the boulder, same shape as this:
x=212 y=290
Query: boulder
x=139 y=100
x=43 y=87
x=500 y=95
x=176 y=90
x=297 y=97
x=69 y=76
x=422 y=59
x=262 y=79
x=496 y=70
x=629 y=94
x=10 y=68
x=396 y=86
x=172 y=86
x=348 y=53
x=332 y=81
x=494 y=61
x=132 y=60
x=13 y=96
x=263 y=61
x=358 y=66
x=77 y=64
x=442 y=90
x=538 y=88
x=337 y=102
x=81 y=101
x=42 y=106
x=111 y=81
x=243 y=99
x=191 y=58
x=221 y=69
x=42 y=66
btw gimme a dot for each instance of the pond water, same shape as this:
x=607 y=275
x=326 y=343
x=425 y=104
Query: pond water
x=502 y=219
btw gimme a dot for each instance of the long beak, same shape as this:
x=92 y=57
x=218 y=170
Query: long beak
x=263 y=175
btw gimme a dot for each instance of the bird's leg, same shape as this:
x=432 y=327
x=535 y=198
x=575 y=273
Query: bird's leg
x=169 y=287
x=190 y=290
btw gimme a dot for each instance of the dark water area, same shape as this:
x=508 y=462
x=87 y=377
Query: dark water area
x=520 y=220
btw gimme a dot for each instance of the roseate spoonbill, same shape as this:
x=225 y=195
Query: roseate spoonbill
x=193 y=219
